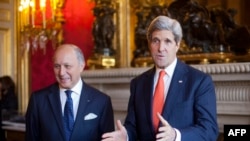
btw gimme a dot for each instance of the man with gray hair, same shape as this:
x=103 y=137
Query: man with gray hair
x=70 y=109
x=171 y=101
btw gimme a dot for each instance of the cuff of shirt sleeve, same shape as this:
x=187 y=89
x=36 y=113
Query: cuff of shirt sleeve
x=178 y=135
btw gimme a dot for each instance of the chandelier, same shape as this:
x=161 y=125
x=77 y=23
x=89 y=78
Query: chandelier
x=40 y=22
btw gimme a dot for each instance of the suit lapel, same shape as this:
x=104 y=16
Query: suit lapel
x=175 y=89
x=85 y=98
x=55 y=103
x=148 y=93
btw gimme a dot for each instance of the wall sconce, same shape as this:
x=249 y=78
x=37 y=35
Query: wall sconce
x=40 y=22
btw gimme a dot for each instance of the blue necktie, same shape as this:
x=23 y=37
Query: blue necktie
x=68 y=115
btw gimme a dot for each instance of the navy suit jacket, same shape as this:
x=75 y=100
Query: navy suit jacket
x=44 y=119
x=190 y=106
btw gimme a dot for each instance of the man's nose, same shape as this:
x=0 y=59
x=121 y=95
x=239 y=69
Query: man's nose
x=61 y=70
x=162 y=46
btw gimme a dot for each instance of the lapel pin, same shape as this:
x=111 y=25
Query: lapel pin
x=180 y=81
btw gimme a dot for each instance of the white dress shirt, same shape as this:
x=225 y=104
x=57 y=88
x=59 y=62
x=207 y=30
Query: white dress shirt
x=167 y=80
x=76 y=93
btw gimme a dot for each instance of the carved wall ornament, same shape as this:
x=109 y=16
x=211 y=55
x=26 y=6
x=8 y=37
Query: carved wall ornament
x=210 y=35
x=103 y=31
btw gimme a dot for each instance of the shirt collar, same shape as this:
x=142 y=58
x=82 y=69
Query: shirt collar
x=76 y=89
x=169 y=69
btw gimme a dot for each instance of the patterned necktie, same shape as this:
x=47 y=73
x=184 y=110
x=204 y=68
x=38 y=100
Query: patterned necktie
x=158 y=100
x=68 y=115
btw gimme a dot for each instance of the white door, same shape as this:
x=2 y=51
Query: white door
x=8 y=41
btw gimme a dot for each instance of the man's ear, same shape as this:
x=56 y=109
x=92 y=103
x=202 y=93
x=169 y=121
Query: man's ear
x=177 y=46
x=82 y=66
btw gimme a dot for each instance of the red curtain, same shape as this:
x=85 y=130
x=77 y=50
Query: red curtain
x=77 y=30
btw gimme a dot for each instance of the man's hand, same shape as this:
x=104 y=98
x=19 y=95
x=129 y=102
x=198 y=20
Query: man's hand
x=118 y=135
x=166 y=132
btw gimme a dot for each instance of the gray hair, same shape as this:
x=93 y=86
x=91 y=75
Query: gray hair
x=79 y=54
x=165 y=23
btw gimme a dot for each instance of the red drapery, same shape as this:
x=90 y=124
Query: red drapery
x=77 y=30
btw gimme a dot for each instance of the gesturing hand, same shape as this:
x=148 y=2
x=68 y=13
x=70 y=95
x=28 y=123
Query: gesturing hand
x=166 y=132
x=118 y=135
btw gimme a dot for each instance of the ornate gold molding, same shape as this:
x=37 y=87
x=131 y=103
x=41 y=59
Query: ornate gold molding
x=5 y=1
x=59 y=20
x=147 y=3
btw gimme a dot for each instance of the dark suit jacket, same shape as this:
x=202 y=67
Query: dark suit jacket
x=44 y=119
x=190 y=106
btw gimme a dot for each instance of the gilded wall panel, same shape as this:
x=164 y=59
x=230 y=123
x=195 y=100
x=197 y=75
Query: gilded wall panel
x=5 y=51
x=4 y=1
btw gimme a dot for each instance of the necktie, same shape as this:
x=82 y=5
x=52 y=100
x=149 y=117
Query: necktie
x=68 y=115
x=158 y=100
